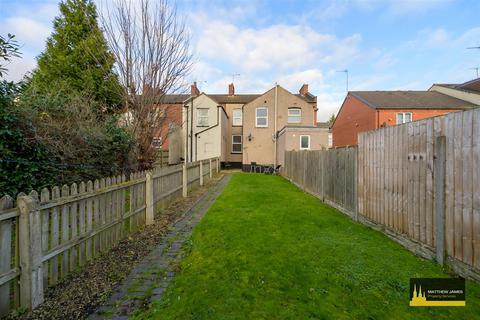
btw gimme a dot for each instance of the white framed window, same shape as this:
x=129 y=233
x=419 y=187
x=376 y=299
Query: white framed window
x=294 y=115
x=202 y=117
x=304 y=142
x=236 y=144
x=261 y=117
x=157 y=143
x=237 y=117
x=404 y=117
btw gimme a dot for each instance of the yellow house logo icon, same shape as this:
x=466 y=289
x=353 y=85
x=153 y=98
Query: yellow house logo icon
x=419 y=299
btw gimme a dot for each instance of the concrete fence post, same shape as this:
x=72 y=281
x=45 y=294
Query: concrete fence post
x=200 y=168
x=184 y=181
x=439 y=174
x=30 y=252
x=210 y=167
x=149 y=199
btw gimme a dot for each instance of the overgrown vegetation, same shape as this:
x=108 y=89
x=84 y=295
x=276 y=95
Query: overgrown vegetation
x=59 y=125
x=267 y=250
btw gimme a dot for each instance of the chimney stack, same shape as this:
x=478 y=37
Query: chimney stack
x=231 y=89
x=194 y=90
x=304 y=90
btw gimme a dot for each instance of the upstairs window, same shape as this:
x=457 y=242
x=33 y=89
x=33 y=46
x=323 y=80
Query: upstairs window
x=304 y=142
x=261 y=117
x=202 y=117
x=294 y=115
x=236 y=144
x=404 y=117
x=237 y=117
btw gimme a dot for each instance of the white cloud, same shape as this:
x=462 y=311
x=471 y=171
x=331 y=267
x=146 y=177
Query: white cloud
x=31 y=26
x=27 y=31
x=277 y=47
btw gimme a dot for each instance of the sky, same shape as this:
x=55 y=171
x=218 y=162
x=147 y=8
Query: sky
x=385 y=45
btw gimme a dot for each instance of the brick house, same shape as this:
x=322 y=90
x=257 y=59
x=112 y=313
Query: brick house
x=170 y=117
x=368 y=110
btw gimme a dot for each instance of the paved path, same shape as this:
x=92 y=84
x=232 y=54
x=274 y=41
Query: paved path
x=149 y=278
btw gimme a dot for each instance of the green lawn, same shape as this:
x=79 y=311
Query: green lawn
x=267 y=250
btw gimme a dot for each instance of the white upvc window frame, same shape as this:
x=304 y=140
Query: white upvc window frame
x=202 y=117
x=261 y=117
x=238 y=117
x=301 y=136
x=237 y=143
x=403 y=114
x=157 y=142
x=299 y=115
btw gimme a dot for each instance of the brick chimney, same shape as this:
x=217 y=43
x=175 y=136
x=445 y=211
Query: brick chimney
x=231 y=89
x=304 y=90
x=194 y=90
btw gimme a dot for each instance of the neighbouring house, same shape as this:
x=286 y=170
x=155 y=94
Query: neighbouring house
x=170 y=118
x=205 y=128
x=277 y=121
x=368 y=110
x=245 y=128
x=468 y=91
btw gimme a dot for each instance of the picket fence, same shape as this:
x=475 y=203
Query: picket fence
x=45 y=236
x=418 y=182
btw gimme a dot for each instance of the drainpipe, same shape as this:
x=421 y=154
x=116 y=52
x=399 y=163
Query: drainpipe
x=275 y=128
x=191 y=133
x=185 y=152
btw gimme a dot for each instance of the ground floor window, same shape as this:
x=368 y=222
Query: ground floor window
x=304 y=142
x=404 y=117
x=236 y=144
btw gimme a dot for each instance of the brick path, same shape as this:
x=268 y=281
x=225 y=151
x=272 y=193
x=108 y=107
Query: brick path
x=149 y=278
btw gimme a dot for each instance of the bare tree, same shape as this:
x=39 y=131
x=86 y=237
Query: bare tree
x=150 y=43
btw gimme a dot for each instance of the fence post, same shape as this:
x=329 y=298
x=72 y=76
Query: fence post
x=184 y=180
x=304 y=184
x=30 y=253
x=218 y=165
x=439 y=174
x=149 y=199
x=210 y=167
x=355 y=185
x=200 y=168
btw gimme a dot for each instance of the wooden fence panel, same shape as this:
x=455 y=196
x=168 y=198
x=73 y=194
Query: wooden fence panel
x=397 y=182
x=329 y=174
x=8 y=246
x=77 y=223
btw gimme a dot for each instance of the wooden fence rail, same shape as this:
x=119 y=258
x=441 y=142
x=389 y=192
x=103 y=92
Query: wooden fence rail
x=418 y=182
x=46 y=236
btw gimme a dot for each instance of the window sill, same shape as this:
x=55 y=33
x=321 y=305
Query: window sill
x=236 y=152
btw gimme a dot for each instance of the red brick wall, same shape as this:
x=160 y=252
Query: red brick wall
x=354 y=117
x=390 y=116
x=173 y=113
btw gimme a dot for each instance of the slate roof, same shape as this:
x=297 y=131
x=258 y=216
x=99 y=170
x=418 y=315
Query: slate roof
x=410 y=100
